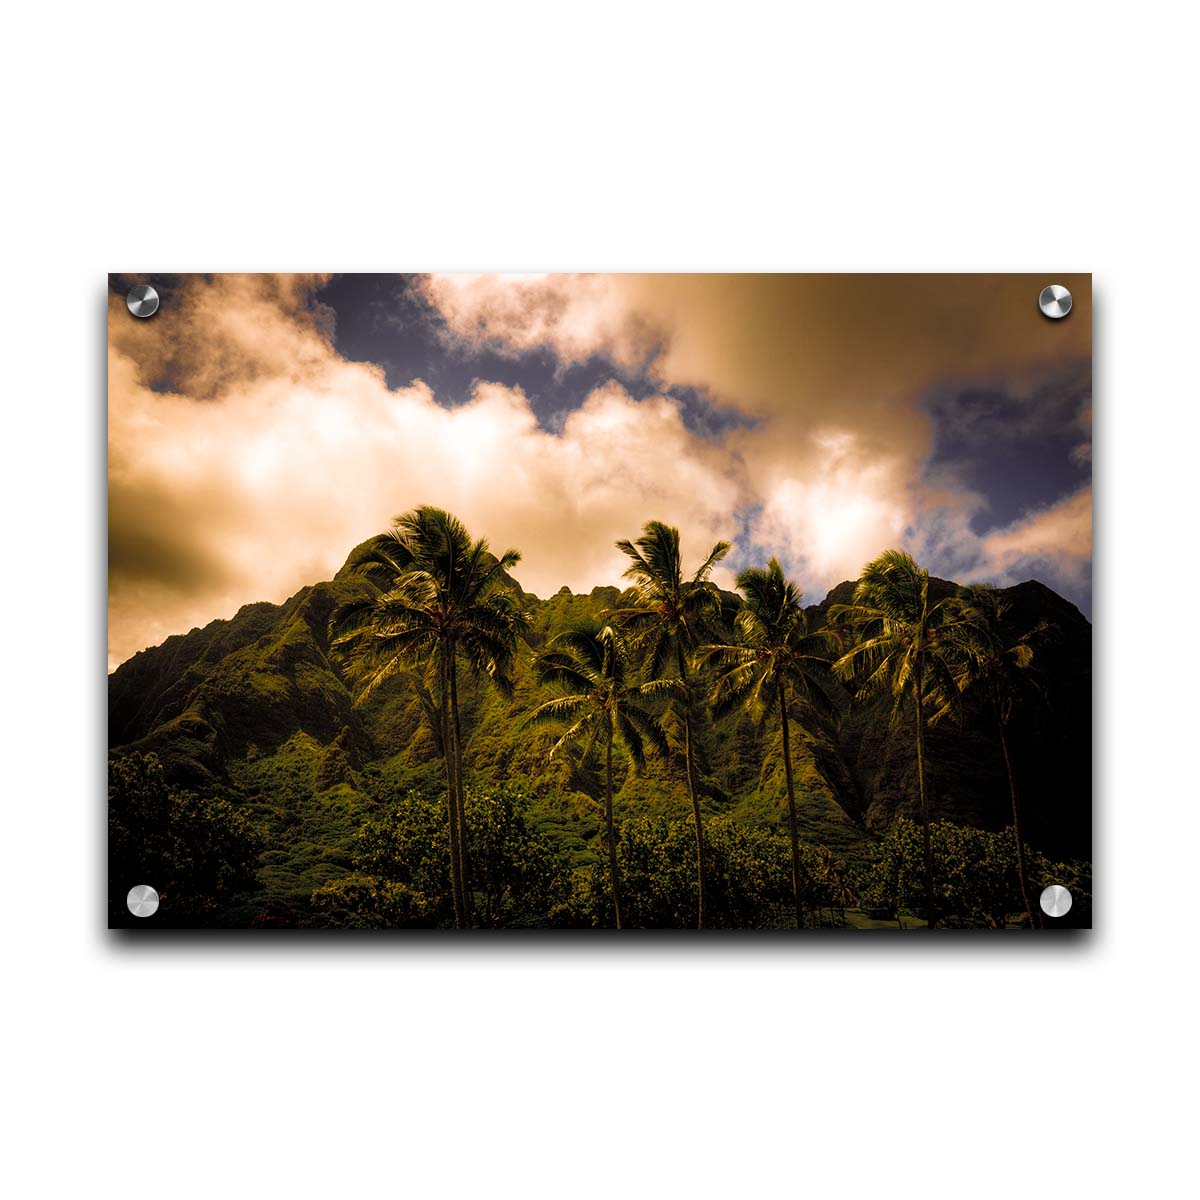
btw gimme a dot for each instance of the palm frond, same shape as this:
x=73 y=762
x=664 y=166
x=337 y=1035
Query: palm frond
x=661 y=650
x=351 y=618
x=660 y=687
x=734 y=687
x=562 y=670
x=715 y=555
x=576 y=731
x=559 y=709
x=719 y=657
x=632 y=738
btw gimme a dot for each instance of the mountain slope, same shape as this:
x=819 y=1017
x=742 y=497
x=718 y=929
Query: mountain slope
x=206 y=699
x=225 y=706
x=874 y=766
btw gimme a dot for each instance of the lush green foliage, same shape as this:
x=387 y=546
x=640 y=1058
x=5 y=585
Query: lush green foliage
x=898 y=639
x=670 y=615
x=748 y=883
x=520 y=878
x=198 y=852
x=334 y=764
x=441 y=599
x=978 y=880
x=402 y=867
x=590 y=666
x=310 y=830
x=775 y=667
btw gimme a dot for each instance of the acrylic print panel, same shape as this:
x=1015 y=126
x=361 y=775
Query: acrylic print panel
x=597 y=601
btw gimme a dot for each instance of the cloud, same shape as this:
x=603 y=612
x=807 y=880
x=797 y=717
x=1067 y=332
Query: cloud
x=575 y=316
x=830 y=508
x=1054 y=541
x=834 y=369
x=246 y=457
x=813 y=344
x=224 y=332
x=268 y=484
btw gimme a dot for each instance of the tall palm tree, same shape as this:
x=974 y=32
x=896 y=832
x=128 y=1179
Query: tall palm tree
x=775 y=666
x=903 y=647
x=993 y=662
x=440 y=598
x=590 y=665
x=670 y=616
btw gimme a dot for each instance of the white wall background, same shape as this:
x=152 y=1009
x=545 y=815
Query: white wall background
x=348 y=136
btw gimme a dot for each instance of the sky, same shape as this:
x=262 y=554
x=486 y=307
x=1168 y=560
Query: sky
x=261 y=426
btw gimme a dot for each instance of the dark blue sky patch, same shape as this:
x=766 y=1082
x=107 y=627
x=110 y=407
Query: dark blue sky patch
x=746 y=552
x=1021 y=451
x=384 y=319
x=705 y=418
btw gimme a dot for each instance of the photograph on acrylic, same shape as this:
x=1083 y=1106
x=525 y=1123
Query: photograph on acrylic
x=585 y=601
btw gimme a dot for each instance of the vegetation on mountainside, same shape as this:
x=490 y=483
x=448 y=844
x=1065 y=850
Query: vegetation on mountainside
x=774 y=669
x=670 y=615
x=440 y=604
x=368 y=754
x=899 y=646
x=590 y=665
x=988 y=657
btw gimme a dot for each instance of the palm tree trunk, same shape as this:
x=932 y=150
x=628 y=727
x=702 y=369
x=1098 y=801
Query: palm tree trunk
x=456 y=889
x=463 y=857
x=691 y=782
x=1035 y=916
x=791 y=799
x=612 y=833
x=930 y=913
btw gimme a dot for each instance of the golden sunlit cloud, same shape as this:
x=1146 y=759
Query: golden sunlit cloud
x=1059 y=536
x=251 y=496
x=247 y=456
x=832 y=366
x=575 y=316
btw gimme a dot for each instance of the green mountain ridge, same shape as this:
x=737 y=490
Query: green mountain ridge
x=256 y=708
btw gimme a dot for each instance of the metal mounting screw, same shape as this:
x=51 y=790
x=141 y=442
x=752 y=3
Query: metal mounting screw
x=142 y=900
x=1055 y=301
x=1056 y=901
x=142 y=300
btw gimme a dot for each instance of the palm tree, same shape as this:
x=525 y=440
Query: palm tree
x=669 y=617
x=776 y=666
x=902 y=647
x=993 y=662
x=590 y=665
x=440 y=598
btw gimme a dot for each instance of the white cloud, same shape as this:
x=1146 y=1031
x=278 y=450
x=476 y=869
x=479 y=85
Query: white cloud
x=828 y=508
x=274 y=456
x=575 y=316
x=250 y=497
x=1056 y=540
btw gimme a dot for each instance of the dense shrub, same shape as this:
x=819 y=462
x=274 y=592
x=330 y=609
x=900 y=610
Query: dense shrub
x=748 y=878
x=198 y=852
x=367 y=902
x=975 y=875
x=402 y=868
